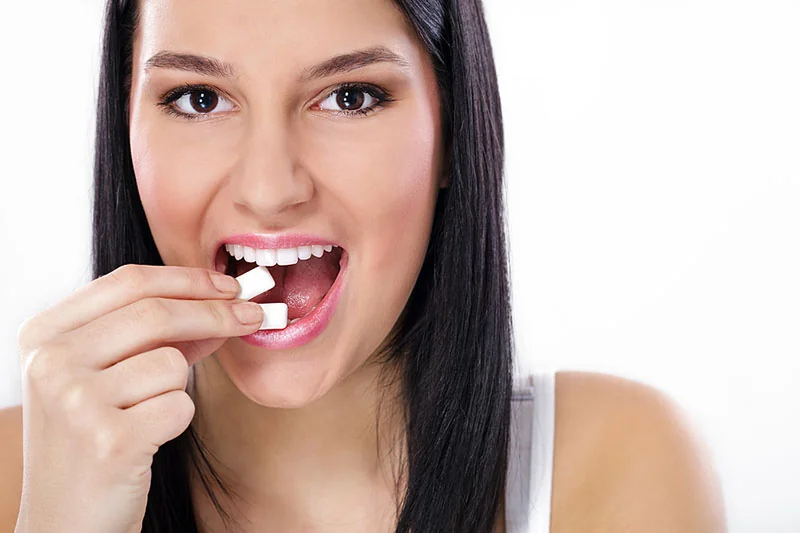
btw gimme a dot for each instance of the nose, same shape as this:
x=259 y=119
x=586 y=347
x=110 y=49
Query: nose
x=269 y=178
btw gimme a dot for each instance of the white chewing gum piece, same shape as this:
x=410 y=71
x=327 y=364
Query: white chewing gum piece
x=276 y=316
x=254 y=282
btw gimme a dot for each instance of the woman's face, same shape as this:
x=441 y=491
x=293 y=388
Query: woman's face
x=269 y=150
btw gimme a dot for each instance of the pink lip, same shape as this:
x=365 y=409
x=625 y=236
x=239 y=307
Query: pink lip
x=310 y=326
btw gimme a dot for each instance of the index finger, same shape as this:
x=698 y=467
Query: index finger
x=122 y=287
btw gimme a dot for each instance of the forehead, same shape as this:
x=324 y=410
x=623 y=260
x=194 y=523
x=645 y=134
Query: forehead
x=283 y=35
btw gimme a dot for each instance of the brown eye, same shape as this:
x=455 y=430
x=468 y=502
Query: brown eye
x=350 y=99
x=203 y=101
x=194 y=102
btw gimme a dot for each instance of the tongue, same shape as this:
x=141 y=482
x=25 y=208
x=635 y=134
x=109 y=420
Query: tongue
x=307 y=282
x=300 y=286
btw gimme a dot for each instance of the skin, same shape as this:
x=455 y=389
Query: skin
x=296 y=429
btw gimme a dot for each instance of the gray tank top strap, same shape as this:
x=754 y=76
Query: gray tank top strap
x=530 y=469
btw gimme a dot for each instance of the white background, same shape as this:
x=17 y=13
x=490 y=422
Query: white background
x=653 y=181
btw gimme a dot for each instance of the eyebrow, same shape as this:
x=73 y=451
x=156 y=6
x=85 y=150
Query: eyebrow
x=343 y=63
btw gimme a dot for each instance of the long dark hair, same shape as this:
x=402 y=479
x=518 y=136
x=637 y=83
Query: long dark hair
x=455 y=336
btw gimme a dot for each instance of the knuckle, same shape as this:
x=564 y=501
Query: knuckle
x=184 y=406
x=40 y=364
x=200 y=280
x=109 y=443
x=153 y=312
x=46 y=378
x=26 y=333
x=130 y=276
x=221 y=314
x=75 y=398
x=173 y=361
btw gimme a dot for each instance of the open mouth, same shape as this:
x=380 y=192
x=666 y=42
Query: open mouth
x=301 y=285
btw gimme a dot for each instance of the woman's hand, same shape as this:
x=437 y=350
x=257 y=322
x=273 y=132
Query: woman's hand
x=104 y=376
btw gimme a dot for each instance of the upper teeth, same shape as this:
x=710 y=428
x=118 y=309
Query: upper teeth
x=280 y=256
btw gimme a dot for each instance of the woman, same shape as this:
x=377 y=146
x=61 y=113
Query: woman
x=370 y=130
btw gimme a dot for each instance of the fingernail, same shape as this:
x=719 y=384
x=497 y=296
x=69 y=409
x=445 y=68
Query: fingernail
x=225 y=283
x=248 y=312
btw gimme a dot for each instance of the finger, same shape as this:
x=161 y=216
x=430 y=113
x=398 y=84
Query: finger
x=154 y=372
x=162 y=418
x=119 y=288
x=152 y=322
x=143 y=376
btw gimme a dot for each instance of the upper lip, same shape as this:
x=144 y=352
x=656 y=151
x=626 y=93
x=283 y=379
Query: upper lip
x=266 y=241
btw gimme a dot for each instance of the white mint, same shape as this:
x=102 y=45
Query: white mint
x=254 y=282
x=275 y=316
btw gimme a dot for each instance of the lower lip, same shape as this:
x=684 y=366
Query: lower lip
x=307 y=328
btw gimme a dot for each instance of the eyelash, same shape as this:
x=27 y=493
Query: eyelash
x=382 y=96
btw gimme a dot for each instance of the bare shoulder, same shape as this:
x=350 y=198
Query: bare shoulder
x=626 y=461
x=10 y=466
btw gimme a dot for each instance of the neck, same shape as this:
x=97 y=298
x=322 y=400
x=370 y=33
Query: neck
x=330 y=462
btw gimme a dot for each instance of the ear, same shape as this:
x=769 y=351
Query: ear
x=444 y=181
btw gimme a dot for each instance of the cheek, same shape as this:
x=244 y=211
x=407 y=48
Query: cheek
x=172 y=189
x=403 y=200
x=387 y=181
x=402 y=203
